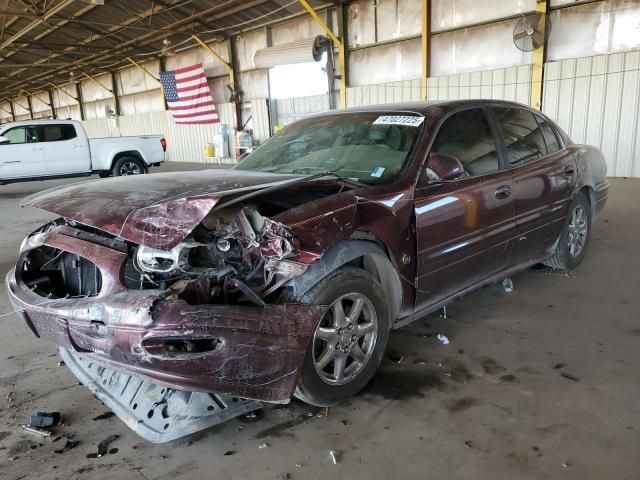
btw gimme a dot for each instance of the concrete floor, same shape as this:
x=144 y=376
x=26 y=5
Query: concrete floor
x=493 y=404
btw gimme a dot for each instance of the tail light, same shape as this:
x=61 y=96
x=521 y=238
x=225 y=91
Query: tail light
x=163 y=142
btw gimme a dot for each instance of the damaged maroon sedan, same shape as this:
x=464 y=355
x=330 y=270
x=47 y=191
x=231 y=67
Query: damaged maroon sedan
x=183 y=299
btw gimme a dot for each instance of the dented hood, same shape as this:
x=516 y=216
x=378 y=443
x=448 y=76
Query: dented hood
x=157 y=210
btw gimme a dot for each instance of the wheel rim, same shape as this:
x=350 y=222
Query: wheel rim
x=345 y=339
x=578 y=229
x=130 y=168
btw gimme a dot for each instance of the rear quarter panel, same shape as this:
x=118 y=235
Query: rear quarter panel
x=592 y=173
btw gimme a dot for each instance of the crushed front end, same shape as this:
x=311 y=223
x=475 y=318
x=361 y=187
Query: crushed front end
x=204 y=316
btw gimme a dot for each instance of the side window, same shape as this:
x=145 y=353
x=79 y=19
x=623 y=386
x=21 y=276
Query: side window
x=466 y=136
x=549 y=134
x=57 y=133
x=522 y=136
x=20 y=135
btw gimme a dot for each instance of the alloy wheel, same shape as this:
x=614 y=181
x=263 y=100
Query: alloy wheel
x=345 y=339
x=578 y=229
x=130 y=168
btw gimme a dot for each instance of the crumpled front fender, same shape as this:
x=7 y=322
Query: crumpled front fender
x=245 y=351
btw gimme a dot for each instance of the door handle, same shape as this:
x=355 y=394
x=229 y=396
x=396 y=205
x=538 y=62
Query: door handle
x=502 y=192
x=76 y=146
x=568 y=171
x=36 y=149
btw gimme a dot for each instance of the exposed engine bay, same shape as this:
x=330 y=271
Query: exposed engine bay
x=235 y=255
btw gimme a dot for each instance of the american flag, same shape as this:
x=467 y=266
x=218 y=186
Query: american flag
x=188 y=95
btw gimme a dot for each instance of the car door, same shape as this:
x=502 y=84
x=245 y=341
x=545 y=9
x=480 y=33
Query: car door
x=464 y=227
x=23 y=155
x=544 y=176
x=64 y=151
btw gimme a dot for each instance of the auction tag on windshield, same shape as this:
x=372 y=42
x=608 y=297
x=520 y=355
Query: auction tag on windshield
x=377 y=172
x=406 y=120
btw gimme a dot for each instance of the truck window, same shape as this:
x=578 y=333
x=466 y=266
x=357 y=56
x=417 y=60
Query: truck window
x=20 y=135
x=58 y=133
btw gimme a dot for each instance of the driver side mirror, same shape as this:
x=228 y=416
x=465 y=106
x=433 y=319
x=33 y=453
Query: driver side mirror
x=442 y=167
x=4 y=141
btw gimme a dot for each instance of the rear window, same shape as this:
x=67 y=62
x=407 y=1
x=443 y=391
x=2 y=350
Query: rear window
x=58 y=133
x=550 y=136
x=522 y=136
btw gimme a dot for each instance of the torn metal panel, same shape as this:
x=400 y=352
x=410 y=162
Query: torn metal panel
x=238 y=350
x=156 y=413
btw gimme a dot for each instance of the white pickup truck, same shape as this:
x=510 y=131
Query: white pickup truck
x=41 y=149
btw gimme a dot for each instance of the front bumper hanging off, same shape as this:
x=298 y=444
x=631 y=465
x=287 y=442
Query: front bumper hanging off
x=124 y=338
x=156 y=413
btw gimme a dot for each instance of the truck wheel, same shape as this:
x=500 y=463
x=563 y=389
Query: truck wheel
x=349 y=343
x=128 y=166
x=574 y=238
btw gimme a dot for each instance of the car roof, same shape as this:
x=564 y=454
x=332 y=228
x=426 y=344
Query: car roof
x=423 y=107
x=37 y=122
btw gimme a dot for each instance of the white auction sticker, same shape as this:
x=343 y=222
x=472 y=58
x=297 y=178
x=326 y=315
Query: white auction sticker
x=407 y=120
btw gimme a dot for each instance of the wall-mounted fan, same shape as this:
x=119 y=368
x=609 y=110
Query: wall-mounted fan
x=108 y=112
x=167 y=48
x=532 y=31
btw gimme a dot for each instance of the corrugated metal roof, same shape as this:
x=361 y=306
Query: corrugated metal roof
x=44 y=41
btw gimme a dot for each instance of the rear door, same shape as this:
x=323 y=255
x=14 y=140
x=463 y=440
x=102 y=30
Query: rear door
x=65 y=152
x=544 y=176
x=23 y=156
x=464 y=227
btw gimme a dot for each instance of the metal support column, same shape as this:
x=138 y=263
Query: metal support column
x=426 y=45
x=116 y=98
x=341 y=50
x=30 y=107
x=236 y=93
x=51 y=104
x=539 y=57
x=80 y=102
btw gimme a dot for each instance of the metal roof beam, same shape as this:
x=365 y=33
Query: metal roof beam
x=36 y=23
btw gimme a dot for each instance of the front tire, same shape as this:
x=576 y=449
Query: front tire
x=349 y=343
x=575 y=235
x=125 y=166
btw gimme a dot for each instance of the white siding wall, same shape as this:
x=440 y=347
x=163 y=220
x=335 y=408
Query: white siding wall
x=392 y=92
x=512 y=83
x=597 y=101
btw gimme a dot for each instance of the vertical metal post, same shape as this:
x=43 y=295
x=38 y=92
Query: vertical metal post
x=114 y=91
x=79 y=98
x=51 y=104
x=163 y=66
x=30 y=107
x=13 y=111
x=539 y=57
x=343 y=26
x=426 y=45
x=233 y=75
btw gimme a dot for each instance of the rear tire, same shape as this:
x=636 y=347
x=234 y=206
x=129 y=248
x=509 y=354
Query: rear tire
x=125 y=166
x=574 y=237
x=349 y=343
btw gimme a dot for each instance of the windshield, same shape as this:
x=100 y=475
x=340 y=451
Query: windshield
x=369 y=148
